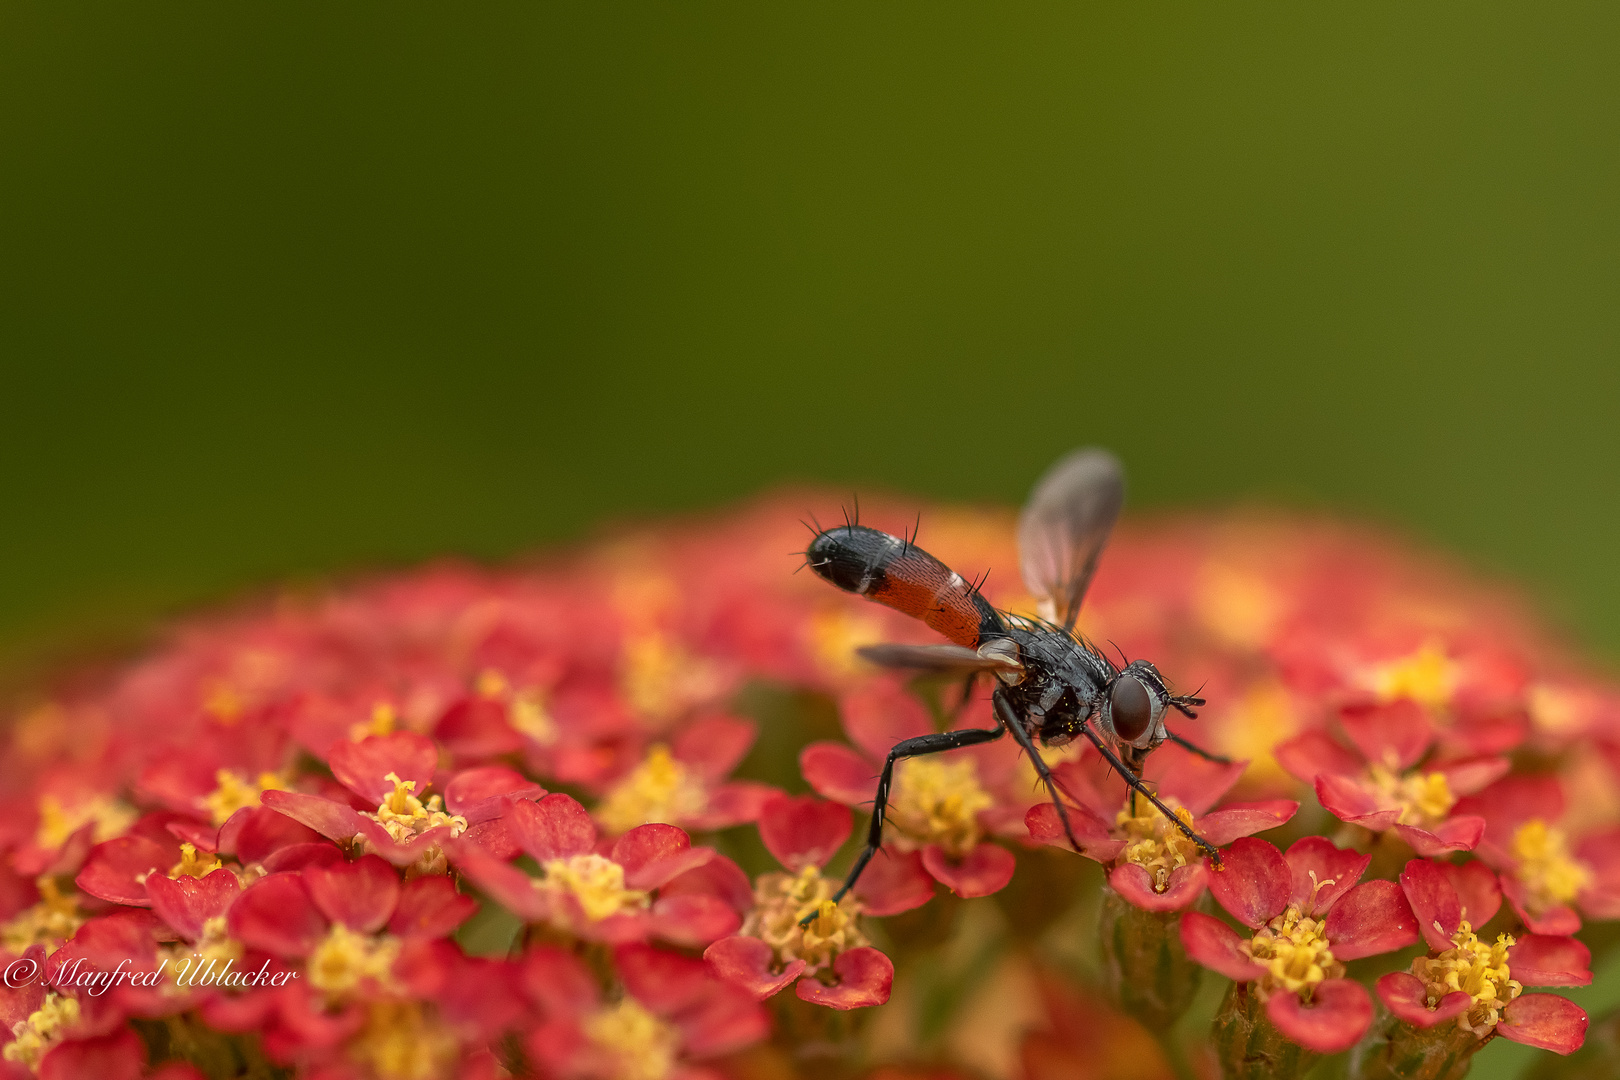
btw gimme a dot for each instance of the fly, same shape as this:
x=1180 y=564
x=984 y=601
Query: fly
x=1052 y=686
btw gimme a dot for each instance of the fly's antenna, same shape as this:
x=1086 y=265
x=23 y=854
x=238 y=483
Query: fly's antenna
x=1184 y=702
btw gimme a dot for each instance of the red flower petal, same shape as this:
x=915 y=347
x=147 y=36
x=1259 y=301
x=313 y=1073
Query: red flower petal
x=1217 y=946
x=1347 y=800
x=1473 y=774
x=1542 y=960
x=1314 y=860
x=556 y=827
x=1235 y=820
x=714 y=745
x=361 y=895
x=664 y=981
x=118 y=1056
x=1434 y=903
x=476 y=727
x=894 y=882
x=361 y=766
x=864 y=977
x=1545 y=1020
x=1405 y=995
x=984 y=870
x=1512 y=801
x=301 y=857
x=1196 y=782
x=116 y=869
x=254 y=833
x=276 y=914
x=1395 y=735
x=1338 y=1016
x=718 y=877
x=725 y=1019
x=505 y=884
x=1557 y=921
x=186 y=903
x=1307 y=756
x=430 y=907
x=559 y=982
x=1096 y=840
x=1255 y=882
x=1184 y=887
x=881 y=714
x=692 y=919
x=1476 y=887
x=482 y=788
x=746 y=962
x=1371 y=918
x=804 y=831
x=654 y=853
x=332 y=820
x=1451 y=835
x=736 y=803
x=838 y=772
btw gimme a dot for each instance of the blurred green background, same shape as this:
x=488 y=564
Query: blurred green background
x=285 y=291
x=290 y=290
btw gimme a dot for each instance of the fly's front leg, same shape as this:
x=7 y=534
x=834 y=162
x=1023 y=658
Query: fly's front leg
x=915 y=747
x=1136 y=784
x=1009 y=718
x=1200 y=751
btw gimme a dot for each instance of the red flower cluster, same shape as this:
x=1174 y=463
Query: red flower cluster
x=476 y=823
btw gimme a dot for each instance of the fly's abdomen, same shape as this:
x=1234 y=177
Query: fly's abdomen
x=899 y=574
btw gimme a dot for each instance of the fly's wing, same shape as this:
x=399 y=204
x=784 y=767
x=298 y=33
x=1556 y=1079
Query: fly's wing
x=941 y=658
x=1064 y=526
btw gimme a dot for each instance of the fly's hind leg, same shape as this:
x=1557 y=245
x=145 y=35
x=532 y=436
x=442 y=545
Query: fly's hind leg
x=1010 y=720
x=915 y=747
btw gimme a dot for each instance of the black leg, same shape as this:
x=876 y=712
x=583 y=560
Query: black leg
x=1137 y=786
x=1199 y=750
x=1013 y=722
x=922 y=744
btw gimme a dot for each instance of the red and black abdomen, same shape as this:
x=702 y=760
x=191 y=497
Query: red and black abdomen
x=899 y=574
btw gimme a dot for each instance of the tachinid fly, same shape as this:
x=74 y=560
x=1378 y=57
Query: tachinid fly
x=1052 y=684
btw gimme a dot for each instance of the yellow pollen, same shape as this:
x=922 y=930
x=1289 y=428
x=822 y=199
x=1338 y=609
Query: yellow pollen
x=1424 y=798
x=1546 y=866
x=937 y=801
x=42 y=1030
x=835 y=634
x=642 y=1046
x=403 y=1041
x=384 y=721
x=659 y=789
x=1295 y=953
x=58 y=822
x=528 y=716
x=192 y=864
x=661 y=679
x=234 y=792
x=50 y=922
x=345 y=959
x=781 y=901
x=1478 y=970
x=595 y=881
x=1428 y=677
x=1154 y=843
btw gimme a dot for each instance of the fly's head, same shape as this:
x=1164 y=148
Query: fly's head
x=1135 y=703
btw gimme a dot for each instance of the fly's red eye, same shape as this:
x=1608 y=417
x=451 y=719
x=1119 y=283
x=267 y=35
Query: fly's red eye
x=1130 y=708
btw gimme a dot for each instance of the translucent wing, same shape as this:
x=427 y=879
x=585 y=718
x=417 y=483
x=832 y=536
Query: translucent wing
x=1064 y=526
x=941 y=658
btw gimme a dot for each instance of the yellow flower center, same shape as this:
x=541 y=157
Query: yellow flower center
x=405 y=816
x=937 y=801
x=781 y=901
x=58 y=822
x=835 y=634
x=1424 y=798
x=234 y=792
x=1428 y=677
x=1263 y=717
x=42 y=1030
x=1478 y=970
x=528 y=716
x=1153 y=842
x=383 y=721
x=662 y=680
x=1545 y=865
x=51 y=921
x=659 y=789
x=642 y=1046
x=595 y=881
x=1295 y=953
x=344 y=959
x=403 y=1041
x=192 y=864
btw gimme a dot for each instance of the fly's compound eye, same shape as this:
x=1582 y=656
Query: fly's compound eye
x=1130 y=708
